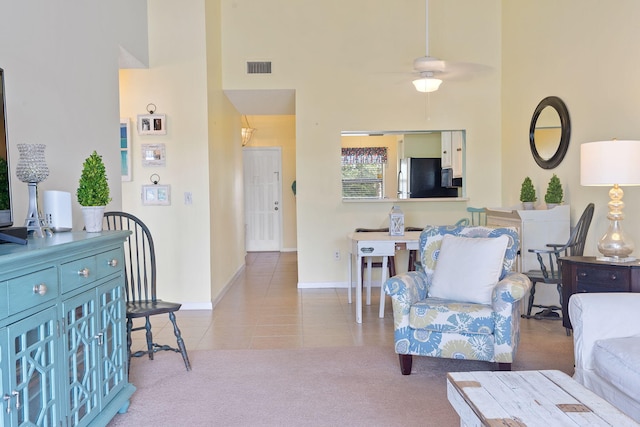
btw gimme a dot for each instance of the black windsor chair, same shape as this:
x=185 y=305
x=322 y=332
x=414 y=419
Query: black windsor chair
x=140 y=279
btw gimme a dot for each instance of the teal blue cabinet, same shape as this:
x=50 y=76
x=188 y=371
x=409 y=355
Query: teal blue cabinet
x=33 y=346
x=63 y=359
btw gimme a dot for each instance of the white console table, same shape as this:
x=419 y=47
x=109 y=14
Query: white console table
x=378 y=244
x=536 y=227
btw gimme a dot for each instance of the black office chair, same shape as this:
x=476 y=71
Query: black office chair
x=140 y=279
x=550 y=269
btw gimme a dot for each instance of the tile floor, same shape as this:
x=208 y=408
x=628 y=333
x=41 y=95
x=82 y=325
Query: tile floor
x=263 y=309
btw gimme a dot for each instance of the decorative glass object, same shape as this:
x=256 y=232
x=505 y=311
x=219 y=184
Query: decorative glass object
x=32 y=169
x=396 y=222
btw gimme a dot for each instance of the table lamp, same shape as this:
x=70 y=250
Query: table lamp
x=612 y=163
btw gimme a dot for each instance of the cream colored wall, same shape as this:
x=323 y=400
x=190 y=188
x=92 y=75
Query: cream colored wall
x=280 y=131
x=62 y=88
x=582 y=52
x=176 y=82
x=349 y=70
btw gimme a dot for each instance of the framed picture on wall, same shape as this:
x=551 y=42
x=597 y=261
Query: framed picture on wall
x=152 y=124
x=125 y=150
x=153 y=155
x=156 y=195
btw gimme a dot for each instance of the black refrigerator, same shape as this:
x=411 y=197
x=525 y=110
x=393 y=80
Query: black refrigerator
x=421 y=177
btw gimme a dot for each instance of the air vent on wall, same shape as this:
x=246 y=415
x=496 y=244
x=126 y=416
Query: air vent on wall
x=259 y=67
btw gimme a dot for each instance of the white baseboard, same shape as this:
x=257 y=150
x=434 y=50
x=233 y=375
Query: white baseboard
x=197 y=306
x=330 y=285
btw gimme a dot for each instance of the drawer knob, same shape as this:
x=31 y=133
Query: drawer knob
x=84 y=272
x=613 y=276
x=367 y=250
x=40 y=289
x=113 y=263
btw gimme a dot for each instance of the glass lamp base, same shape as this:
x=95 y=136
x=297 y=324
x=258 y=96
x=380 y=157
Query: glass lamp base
x=615 y=245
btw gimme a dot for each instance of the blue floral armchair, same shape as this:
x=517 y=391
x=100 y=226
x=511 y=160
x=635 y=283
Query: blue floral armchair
x=436 y=327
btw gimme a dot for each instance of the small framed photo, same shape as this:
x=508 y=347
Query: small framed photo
x=153 y=155
x=159 y=195
x=152 y=124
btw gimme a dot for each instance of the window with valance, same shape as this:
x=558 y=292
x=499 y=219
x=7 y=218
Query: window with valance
x=363 y=172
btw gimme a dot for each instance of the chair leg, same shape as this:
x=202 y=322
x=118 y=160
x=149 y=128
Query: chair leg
x=406 y=361
x=181 y=346
x=149 y=334
x=532 y=294
x=412 y=261
x=392 y=266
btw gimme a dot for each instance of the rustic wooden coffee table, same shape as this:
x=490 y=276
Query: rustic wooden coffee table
x=528 y=398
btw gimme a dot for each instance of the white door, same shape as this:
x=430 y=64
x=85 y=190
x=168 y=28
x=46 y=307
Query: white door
x=262 y=195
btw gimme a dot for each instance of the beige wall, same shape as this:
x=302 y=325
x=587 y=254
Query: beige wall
x=349 y=70
x=582 y=52
x=62 y=88
x=200 y=246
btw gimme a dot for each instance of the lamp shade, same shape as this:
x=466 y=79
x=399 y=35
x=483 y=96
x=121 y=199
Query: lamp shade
x=606 y=163
x=427 y=84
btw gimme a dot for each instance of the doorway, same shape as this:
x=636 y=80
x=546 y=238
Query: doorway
x=262 y=198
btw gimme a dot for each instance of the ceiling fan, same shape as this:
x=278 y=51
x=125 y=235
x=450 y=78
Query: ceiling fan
x=432 y=71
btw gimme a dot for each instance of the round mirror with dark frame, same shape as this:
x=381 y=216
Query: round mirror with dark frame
x=550 y=132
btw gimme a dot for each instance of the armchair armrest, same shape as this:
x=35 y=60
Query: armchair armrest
x=405 y=289
x=408 y=288
x=511 y=289
x=596 y=316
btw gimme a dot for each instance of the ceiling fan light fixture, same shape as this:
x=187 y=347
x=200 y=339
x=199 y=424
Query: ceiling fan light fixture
x=427 y=84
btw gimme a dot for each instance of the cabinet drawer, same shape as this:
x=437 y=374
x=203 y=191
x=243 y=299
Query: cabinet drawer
x=377 y=248
x=110 y=262
x=602 y=279
x=32 y=289
x=78 y=273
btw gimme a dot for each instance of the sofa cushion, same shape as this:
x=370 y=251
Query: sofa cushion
x=468 y=268
x=440 y=315
x=618 y=361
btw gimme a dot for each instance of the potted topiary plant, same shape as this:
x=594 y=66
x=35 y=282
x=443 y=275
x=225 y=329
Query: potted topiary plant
x=93 y=192
x=553 y=196
x=527 y=194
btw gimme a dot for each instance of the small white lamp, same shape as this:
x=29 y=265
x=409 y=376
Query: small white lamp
x=605 y=163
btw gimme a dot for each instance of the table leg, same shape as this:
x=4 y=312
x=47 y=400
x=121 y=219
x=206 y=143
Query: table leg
x=369 y=280
x=359 y=290
x=383 y=278
x=350 y=277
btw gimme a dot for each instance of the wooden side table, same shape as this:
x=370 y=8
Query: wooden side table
x=587 y=274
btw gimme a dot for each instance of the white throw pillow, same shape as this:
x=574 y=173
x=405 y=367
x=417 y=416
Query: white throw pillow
x=468 y=268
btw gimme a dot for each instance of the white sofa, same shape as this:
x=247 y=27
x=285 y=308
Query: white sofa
x=606 y=337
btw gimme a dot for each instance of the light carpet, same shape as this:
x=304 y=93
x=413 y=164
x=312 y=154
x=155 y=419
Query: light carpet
x=354 y=386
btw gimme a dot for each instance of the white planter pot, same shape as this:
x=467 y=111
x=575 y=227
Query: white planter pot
x=528 y=205
x=93 y=216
